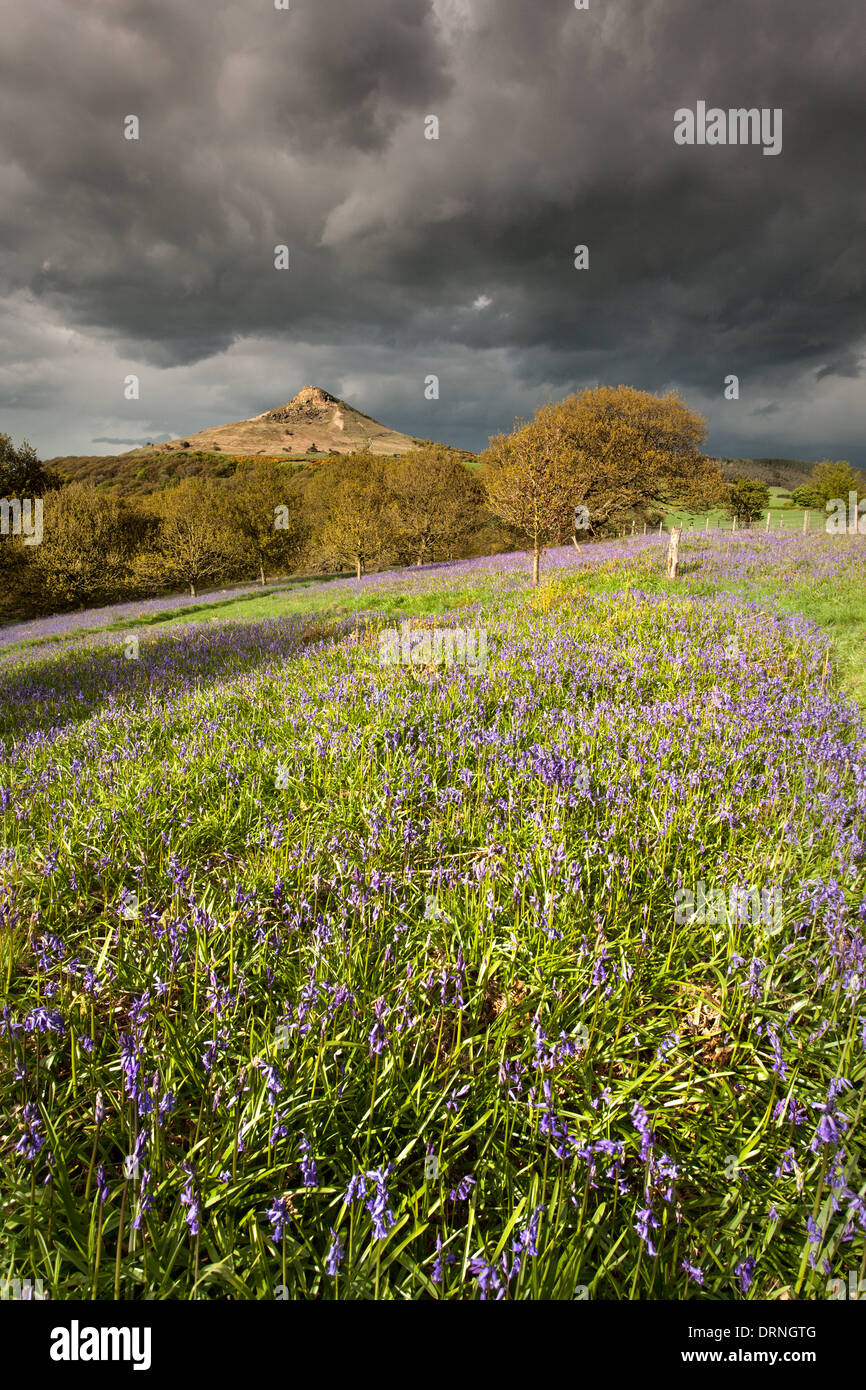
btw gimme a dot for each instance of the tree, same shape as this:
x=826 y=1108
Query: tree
x=436 y=502
x=17 y=579
x=615 y=451
x=527 y=482
x=830 y=481
x=21 y=473
x=195 y=541
x=349 y=510
x=632 y=452
x=88 y=542
x=747 y=499
x=806 y=497
x=267 y=517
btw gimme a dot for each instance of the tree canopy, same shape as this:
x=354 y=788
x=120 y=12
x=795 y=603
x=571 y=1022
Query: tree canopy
x=618 y=452
x=747 y=499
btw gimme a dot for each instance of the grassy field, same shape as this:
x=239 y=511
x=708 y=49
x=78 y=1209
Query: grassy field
x=324 y=978
x=783 y=515
x=839 y=608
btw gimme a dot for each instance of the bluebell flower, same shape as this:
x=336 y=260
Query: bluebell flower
x=356 y=1190
x=646 y=1223
x=490 y=1278
x=463 y=1190
x=189 y=1198
x=642 y=1124
x=335 y=1255
x=279 y=1215
x=308 y=1165
x=745 y=1272
x=378 y=1204
x=440 y=1261
x=32 y=1141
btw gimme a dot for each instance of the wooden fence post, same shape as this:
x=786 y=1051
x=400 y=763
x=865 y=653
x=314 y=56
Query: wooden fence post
x=767 y=527
x=673 y=553
x=806 y=517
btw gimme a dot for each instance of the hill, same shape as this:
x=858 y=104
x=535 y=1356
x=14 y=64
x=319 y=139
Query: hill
x=786 y=473
x=310 y=427
x=313 y=421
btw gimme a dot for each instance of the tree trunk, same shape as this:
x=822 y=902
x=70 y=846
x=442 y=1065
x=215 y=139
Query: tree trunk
x=357 y=568
x=192 y=589
x=673 y=553
x=535 y=554
x=261 y=572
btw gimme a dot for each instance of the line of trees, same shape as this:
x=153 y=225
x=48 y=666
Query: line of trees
x=748 y=499
x=614 y=455
x=828 y=482
x=264 y=520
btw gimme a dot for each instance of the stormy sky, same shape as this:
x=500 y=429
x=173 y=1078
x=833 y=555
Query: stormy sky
x=410 y=256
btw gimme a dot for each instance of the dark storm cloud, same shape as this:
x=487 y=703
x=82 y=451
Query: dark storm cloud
x=306 y=127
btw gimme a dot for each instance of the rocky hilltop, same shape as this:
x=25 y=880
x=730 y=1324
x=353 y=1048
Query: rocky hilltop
x=313 y=421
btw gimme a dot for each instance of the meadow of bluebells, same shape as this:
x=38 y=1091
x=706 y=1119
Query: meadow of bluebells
x=719 y=556
x=65 y=624
x=324 y=979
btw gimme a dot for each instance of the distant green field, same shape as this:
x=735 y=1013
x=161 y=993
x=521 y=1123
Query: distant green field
x=783 y=514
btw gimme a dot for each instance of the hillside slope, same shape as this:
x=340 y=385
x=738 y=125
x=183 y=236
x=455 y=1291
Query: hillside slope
x=786 y=473
x=308 y=428
x=312 y=421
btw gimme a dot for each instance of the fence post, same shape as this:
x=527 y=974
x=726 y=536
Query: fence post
x=673 y=553
x=806 y=516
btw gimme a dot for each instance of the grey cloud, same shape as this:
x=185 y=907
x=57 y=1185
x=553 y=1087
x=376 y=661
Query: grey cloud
x=556 y=128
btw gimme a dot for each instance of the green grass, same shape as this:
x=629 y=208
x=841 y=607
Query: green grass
x=790 y=518
x=484 y=866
